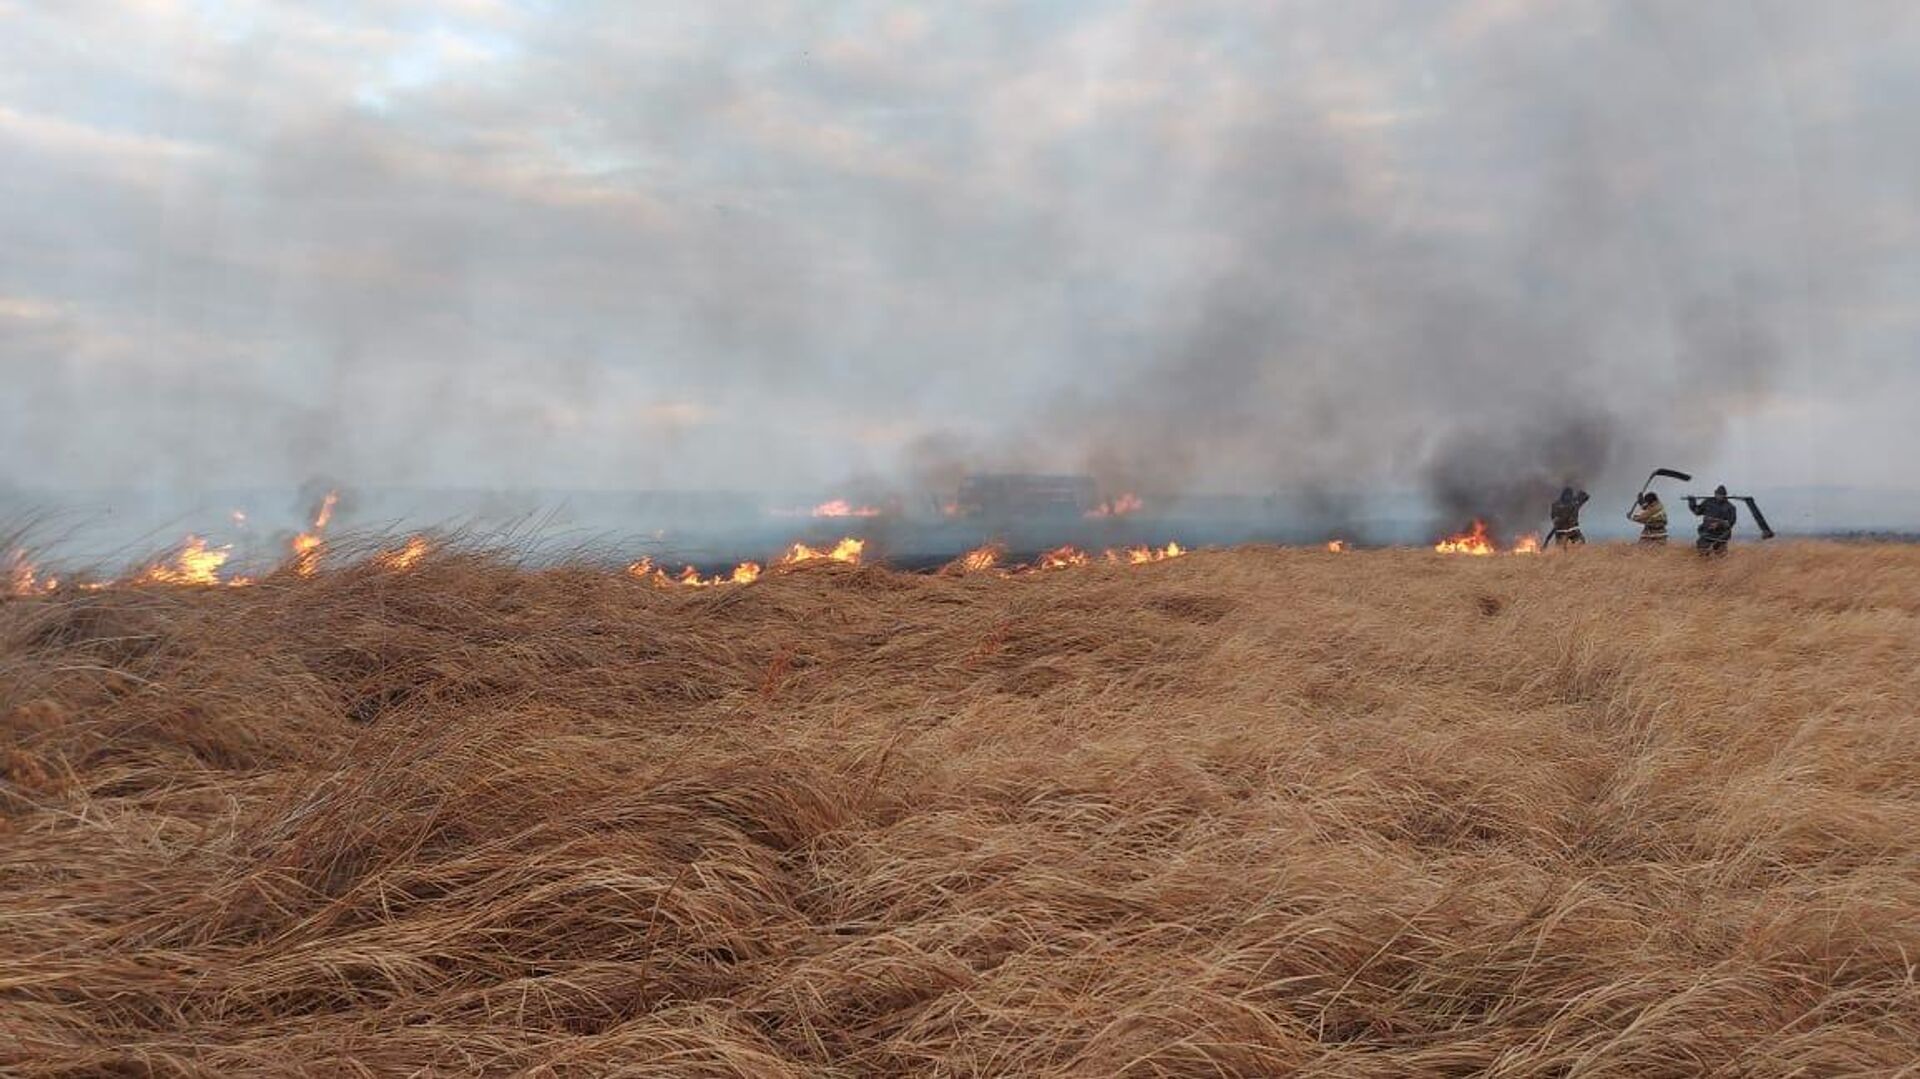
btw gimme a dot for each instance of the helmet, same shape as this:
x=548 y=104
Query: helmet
x=1649 y=498
x=1720 y=491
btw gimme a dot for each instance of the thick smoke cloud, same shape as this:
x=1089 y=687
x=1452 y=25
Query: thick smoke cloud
x=1475 y=249
x=1596 y=311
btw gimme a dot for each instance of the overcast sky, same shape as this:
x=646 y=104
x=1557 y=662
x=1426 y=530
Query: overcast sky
x=1205 y=243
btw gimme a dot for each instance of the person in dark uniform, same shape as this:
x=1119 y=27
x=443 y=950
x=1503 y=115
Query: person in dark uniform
x=1566 y=516
x=1717 y=518
x=1651 y=516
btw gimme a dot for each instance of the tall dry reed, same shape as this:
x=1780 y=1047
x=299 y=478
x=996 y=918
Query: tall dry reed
x=1604 y=812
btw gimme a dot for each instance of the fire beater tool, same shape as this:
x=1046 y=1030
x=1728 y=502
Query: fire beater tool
x=1766 y=531
x=1670 y=473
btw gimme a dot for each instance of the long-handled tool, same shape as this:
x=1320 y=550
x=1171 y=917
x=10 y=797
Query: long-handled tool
x=1670 y=473
x=1766 y=530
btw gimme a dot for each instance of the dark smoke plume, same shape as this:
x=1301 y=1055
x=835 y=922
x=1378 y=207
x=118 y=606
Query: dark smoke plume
x=1591 y=326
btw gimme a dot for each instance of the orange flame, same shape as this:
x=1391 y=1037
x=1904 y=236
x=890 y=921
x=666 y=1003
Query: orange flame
x=306 y=554
x=744 y=573
x=306 y=545
x=406 y=557
x=1118 y=507
x=840 y=507
x=851 y=550
x=21 y=579
x=1135 y=556
x=1476 y=542
x=979 y=559
x=645 y=570
x=689 y=577
x=1063 y=558
x=1479 y=542
x=196 y=564
x=1338 y=546
x=847 y=550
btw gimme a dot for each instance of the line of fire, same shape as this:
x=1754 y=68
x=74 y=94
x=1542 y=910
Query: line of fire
x=998 y=522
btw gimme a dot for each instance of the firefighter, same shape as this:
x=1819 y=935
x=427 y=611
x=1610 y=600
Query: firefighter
x=1717 y=518
x=1566 y=516
x=1651 y=516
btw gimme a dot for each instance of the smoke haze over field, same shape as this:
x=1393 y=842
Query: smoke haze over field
x=1477 y=248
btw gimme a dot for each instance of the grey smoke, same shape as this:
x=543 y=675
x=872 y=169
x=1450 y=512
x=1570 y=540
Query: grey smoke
x=1476 y=248
x=1607 y=324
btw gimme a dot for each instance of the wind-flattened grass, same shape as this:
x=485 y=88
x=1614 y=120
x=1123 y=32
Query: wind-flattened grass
x=1602 y=812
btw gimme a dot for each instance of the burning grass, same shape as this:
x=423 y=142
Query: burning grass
x=1611 y=811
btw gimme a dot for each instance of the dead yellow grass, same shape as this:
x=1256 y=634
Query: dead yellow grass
x=1607 y=812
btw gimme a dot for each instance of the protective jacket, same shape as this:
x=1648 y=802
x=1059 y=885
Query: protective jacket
x=1652 y=519
x=1567 y=511
x=1717 y=518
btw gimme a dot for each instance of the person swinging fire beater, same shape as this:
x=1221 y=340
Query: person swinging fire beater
x=1566 y=516
x=1651 y=516
x=1717 y=518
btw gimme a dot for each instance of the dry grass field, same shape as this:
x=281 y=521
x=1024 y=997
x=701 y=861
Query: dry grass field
x=1264 y=812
